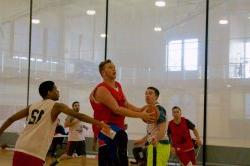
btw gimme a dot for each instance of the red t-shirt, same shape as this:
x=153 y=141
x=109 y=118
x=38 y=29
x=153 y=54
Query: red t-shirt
x=103 y=113
x=180 y=135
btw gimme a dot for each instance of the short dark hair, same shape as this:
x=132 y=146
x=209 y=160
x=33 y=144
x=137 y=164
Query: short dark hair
x=157 y=92
x=74 y=103
x=45 y=87
x=176 y=107
x=102 y=64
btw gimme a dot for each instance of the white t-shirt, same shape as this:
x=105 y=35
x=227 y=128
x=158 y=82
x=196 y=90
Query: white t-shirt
x=153 y=128
x=37 y=136
x=76 y=131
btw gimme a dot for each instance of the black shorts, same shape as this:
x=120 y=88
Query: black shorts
x=77 y=147
x=104 y=152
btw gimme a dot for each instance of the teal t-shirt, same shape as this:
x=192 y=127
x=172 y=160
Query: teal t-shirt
x=163 y=114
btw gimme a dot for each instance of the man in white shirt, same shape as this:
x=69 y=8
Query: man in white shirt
x=76 y=138
x=34 y=141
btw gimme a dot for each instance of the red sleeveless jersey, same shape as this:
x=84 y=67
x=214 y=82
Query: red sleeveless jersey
x=103 y=113
x=180 y=135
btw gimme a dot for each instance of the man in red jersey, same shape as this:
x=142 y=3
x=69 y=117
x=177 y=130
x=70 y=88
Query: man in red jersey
x=110 y=105
x=182 y=145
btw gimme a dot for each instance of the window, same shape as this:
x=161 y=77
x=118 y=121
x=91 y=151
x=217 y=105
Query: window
x=174 y=55
x=182 y=55
x=239 y=59
x=191 y=54
x=247 y=60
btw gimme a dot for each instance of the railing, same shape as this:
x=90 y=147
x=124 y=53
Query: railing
x=87 y=70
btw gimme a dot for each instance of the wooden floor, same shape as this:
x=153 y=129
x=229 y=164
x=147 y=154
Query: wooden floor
x=6 y=160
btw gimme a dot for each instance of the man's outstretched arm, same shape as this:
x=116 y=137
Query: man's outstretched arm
x=60 y=107
x=19 y=115
x=104 y=96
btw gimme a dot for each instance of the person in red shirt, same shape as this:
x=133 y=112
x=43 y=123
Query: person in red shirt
x=111 y=106
x=181 y=141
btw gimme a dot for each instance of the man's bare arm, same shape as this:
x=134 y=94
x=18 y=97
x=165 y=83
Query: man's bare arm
x=162 y=130
x=133 y=107
x=69 y=123
x=103 y=96
x=19 y=115
x=60 y=107
x=196 y=133
x=141 y=141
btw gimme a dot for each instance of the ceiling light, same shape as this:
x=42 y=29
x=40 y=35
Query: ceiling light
x=223 y=22
x=157 y=29
x=248 y=17
x=90 y=12
x=103 y=35
x=160 y=3
x=35 y=21
x=39 y=60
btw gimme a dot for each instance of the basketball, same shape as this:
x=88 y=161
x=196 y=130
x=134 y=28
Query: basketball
x=153 y=109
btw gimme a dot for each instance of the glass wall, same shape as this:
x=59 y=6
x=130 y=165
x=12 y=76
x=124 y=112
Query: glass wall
x=228 y=83
x=67 y=47
x=161 y=47
x=152 y=44
x=14 y=46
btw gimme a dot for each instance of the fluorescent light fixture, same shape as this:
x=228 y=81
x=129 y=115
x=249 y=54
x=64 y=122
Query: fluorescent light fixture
x=103 y=35
x=54 y=62
x=35 y=21
x=23 y=58
x=160 y=3
x=15 y=57
x=32 y=59
x=223 y=22
x=157 y=29
x=90 y=12
x=39 y=60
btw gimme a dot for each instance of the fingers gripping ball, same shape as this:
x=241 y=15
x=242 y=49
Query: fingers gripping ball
x=155 y=113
